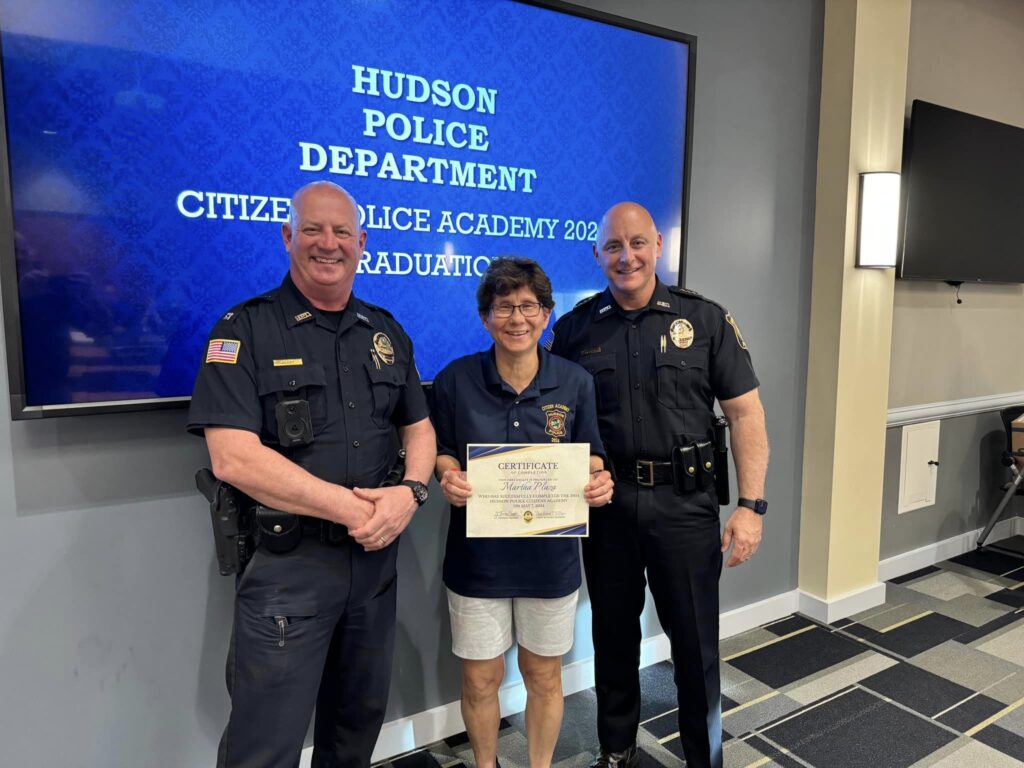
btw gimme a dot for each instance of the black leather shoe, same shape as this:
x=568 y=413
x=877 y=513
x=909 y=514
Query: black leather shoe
x=627 y=758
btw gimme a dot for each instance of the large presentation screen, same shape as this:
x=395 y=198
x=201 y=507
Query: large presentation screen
x=153 y=147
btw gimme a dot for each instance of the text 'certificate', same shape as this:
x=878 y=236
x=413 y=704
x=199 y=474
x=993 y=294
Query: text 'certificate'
x=527 y=490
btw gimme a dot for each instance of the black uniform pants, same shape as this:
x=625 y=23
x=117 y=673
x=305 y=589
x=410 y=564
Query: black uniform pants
x=334 y=651
x=677 y=540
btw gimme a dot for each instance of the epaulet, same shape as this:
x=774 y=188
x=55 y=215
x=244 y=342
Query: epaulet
x=376 y=308
x=232 y=313
x=694 y=295
x=587 y=300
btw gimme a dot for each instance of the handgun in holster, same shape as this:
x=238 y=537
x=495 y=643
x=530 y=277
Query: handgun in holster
x=229 y=512
x=396 y=474
x=721 y=461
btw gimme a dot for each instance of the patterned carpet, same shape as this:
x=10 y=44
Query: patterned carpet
x=934 y=677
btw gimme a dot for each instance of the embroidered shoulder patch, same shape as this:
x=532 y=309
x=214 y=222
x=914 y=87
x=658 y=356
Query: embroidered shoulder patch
x=223 y=351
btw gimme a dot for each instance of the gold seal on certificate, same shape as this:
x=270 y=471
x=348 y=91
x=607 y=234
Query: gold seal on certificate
x=527 y=490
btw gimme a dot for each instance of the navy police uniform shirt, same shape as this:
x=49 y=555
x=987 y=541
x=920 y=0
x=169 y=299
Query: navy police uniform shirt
x=473 y=405
x=658 y=370
x=355 y=368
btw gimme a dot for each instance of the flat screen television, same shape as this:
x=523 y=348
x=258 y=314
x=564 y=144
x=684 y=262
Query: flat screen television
x=152 y=147
x=963 y=182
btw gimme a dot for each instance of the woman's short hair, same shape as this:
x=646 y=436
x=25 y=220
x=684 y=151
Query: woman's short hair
x=509 y=273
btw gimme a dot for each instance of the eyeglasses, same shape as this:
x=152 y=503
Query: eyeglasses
x=505 y=311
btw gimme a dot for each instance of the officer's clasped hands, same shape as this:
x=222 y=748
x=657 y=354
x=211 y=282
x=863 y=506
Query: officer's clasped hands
x=393 y=508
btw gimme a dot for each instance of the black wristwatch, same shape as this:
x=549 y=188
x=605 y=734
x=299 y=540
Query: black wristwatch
x=760 y=506
x=419 y=490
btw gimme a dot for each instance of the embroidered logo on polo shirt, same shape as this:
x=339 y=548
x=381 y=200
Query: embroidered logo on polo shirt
x=223 y=351
x=556 y=417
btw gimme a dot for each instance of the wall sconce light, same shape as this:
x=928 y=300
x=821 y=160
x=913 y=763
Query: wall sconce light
x=879 y=220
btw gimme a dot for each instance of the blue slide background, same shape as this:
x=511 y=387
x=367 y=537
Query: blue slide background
x=111 y=114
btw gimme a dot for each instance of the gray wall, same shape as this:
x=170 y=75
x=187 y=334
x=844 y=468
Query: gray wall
x=967 y=55
x=112 y=654
x=969 y=486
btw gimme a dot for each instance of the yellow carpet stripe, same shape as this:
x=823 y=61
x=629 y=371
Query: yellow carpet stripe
x=751 y=703
x=769 y=642
x=1001 y=713
x=905 y=622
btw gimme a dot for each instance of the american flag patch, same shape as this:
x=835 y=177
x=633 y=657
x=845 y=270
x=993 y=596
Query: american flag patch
x=223 y=351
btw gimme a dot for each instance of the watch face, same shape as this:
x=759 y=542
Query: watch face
x=419 y=490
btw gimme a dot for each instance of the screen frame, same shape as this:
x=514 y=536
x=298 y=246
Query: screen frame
x=906 y=212
x=18 y=394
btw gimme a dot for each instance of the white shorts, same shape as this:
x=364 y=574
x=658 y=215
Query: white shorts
x=482 y=626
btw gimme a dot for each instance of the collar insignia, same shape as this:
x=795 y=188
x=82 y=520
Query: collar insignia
x=303 y=316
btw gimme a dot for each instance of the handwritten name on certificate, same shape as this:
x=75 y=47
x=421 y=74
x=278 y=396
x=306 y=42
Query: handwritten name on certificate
x=527 y=490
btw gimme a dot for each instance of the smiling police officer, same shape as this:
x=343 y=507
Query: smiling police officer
x=299 y=397
x=660 y=357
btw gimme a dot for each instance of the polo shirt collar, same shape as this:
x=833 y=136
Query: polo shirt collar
x=661 y=301
x=546 y=378
x=298 y=309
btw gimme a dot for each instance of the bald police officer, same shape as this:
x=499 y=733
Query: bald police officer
x=299 y=397
x=660 y=356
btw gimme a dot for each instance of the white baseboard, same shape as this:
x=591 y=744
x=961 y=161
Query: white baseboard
x=827 y=611
x=754 y=615
x=916 y=559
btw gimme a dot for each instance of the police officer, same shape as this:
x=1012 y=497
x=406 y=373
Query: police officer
x=299 y=396
x=660 y=356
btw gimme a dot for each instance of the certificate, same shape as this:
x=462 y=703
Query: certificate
x=527 y=490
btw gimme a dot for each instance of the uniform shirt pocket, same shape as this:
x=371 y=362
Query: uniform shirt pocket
x=681 y=376
x=386 y=384
x=602 y=368
x=307 y=381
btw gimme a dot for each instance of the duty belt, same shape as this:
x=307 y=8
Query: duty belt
x=646 y=473
x=324 y=530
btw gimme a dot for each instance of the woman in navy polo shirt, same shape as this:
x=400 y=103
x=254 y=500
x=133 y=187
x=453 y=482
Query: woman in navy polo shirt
x=499 y=396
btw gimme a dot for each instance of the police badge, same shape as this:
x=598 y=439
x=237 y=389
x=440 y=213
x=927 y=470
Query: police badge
x=385 y=351
x=681 y=333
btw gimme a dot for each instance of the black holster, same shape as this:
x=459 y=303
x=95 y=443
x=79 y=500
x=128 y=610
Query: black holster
x=721 y=461
x=229 y=513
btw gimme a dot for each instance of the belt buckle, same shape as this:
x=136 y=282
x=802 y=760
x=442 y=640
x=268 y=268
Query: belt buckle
x=647 y=465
